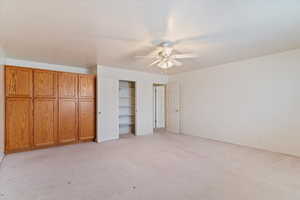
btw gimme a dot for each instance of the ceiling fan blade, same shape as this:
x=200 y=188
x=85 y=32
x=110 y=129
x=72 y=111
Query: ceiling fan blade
x=145 y=56
x=106 y=37
x=182 y=56
x=176 y=63
x=209 y=37
x=152 y=54
x=155 y=62
x=139 y=52
x=193 y=38
x=155 y=52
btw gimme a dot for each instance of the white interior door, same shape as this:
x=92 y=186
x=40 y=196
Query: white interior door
x=160 y=107
x=144 y=107
x=108 y=109
x=173 y=107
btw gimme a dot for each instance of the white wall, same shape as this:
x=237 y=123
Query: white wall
x=39 y=65
x=254 y=102
x=108 y=105
x=2 y=114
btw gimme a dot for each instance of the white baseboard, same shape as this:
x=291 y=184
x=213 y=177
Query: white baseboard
x=144 y=134
x=107 y=139
x=1 y=156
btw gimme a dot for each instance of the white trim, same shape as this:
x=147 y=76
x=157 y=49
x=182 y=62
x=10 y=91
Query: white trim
x=1 y=157
x=107 y=139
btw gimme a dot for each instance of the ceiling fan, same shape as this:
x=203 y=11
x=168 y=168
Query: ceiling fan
x=165 y=56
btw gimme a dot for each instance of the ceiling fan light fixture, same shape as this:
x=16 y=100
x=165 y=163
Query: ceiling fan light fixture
x=168 y=51
x=165 y=57
x=165 y=64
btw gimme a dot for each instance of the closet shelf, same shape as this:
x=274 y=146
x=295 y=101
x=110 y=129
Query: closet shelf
x=124 y=87
x=126 y=97
x=129 y=115
x=126 y=124
x=127 y=106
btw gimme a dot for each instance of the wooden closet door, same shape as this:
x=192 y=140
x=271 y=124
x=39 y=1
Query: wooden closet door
x=87 y=86
x=67 y=84
x=87 y=120
x=18 y=124
x=45 y=84
x=45 y=122
x=18 y=82
x=68 y=126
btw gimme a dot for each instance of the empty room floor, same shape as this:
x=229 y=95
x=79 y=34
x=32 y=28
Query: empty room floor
x=163 y=166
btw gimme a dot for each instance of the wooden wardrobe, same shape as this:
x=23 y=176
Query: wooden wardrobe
x=48 y=108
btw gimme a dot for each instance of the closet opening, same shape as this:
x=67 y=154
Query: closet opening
x=159 y=108
x=127 y=108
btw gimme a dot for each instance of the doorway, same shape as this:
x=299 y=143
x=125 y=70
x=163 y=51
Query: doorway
x=159 y=107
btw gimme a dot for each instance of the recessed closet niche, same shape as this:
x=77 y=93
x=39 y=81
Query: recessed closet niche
x=126 y=107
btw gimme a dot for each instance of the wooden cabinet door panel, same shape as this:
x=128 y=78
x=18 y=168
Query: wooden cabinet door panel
x=18 y=124
x=45 y=83
x=68 y=84
x=18 y=82
x=45 y=122
x=87 y=86
x=68 y=126
x=87 y=119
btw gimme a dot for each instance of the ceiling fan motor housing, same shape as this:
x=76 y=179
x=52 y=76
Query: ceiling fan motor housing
x=166 y=44
x=166 y=50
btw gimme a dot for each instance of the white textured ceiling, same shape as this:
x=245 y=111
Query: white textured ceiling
x=113 y=32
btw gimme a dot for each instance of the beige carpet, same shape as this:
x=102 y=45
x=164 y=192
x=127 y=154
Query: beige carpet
x=158 y=167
